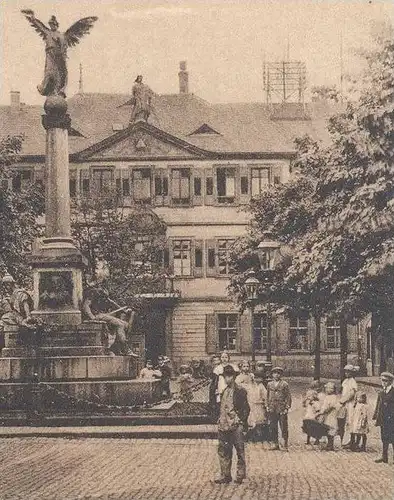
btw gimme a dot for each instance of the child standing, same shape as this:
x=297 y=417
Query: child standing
x=312 y=405
x=185 y=383
x=328 y=413
x=257 y=399
x=360 y=422
x=245 y=377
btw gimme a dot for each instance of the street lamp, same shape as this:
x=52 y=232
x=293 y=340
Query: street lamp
x=269 y=255
x=252 y=285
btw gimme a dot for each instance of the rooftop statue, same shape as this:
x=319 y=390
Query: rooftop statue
x=56 y=45
x=141 y=101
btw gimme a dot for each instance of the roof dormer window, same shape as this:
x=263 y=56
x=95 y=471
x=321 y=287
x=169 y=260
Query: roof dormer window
x=205 y=129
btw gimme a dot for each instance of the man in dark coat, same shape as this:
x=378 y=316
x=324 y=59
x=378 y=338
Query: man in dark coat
x=233 y=421
x=384 y=415
x=278 y=405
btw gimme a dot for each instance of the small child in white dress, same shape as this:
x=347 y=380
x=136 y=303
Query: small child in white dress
x=360 y=424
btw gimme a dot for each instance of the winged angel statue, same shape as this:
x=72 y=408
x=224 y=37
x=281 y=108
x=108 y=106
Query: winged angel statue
x=56 y=45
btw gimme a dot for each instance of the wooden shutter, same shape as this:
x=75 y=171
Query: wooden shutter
x=158 y=187
x=211 y=335
x=85 y=182
x=209 y=188
x=276 y=174
x=39 y=176
x=245 y=333
x=243 y=185
x=198 y=182
x=198 y=258
x=211 y=258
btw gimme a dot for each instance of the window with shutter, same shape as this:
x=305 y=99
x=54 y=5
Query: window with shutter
x=333 y=333
x=198 y=258
x=260 y=179
x=211 y=337
x=210 y=257
x=142 y=185
x=299 y=331
x=182 y=257
x=102 y=180
x=22 y=178
x=228 y=331
x=226 y=184
x=180 y=186
x=260 y=331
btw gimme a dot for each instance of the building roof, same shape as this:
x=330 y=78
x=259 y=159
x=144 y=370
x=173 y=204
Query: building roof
x=240 y=127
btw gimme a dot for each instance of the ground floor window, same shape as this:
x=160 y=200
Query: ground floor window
x=182 y=257
x=228 y=331
x=298 y=331
x=333 y=333
x=260 y=331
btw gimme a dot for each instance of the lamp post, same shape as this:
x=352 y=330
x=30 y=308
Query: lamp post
x=269 y=255
x=252 y=285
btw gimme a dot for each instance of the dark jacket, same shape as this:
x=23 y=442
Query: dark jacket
x=278 y=396
x=241 y=405
x=384 y=415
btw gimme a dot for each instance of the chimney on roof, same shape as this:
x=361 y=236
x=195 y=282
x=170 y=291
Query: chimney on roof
x=15 y=98
x=183 y=78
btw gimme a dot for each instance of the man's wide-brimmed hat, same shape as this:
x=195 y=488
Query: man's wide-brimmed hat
x=228 y=370
x=387 y=375
x=277 y=369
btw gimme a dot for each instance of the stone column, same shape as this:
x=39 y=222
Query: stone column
x=57 y=194
x=57 y=263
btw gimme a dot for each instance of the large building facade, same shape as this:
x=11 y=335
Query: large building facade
x=198 y=166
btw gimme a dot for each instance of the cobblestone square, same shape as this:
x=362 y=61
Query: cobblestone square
x=160 y=469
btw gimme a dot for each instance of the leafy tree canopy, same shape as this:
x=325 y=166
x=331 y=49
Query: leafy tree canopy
x=336 y=213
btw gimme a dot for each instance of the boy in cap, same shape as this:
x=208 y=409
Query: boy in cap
x=278 y=405
x=384 y=415
x=233 y=418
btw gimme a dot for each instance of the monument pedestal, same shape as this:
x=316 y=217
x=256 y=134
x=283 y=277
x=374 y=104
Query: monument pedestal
x=73 y=361
x=57 y=277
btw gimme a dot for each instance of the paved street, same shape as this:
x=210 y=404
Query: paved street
x=159 y=469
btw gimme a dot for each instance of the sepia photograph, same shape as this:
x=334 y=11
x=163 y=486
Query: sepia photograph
x=197 y=250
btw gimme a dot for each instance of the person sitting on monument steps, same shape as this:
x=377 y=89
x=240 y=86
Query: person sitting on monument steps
x=19 y=304
x=96 y=306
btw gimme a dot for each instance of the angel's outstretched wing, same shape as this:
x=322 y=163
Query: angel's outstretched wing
x=78 y=30
x=39 y=26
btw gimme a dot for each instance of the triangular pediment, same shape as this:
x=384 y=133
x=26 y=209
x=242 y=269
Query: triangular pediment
x=141 y=140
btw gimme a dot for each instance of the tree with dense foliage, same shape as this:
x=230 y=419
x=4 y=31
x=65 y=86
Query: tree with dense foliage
x=19 y=212
x=124 y=247
x=337 y=211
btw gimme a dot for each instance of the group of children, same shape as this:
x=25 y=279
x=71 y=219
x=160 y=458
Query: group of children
x=327 y=414
x=324 y=408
